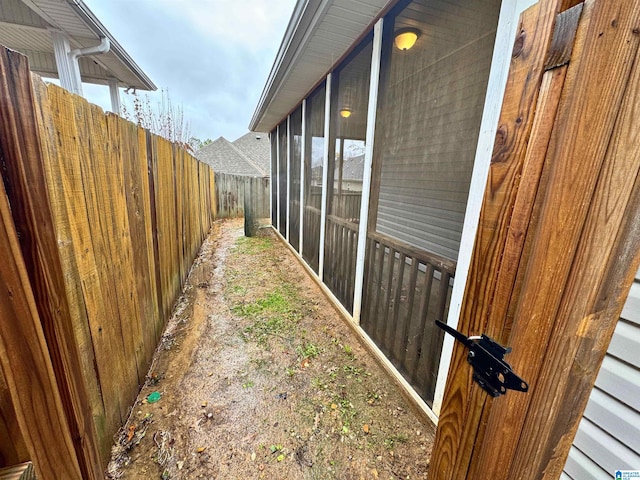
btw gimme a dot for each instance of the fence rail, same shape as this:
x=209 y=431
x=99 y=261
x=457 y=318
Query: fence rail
x=406 y=290
x=341 y=241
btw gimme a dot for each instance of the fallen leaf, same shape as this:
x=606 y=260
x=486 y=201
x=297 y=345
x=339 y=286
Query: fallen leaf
x=132 y=431
x=334 y=406
x=365 y=428
x=201 y=449
x=204 y=404
x=280 y=457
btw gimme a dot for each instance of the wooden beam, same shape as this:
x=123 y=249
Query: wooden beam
x=26 y=364
x=27 y=192
x=558 y=257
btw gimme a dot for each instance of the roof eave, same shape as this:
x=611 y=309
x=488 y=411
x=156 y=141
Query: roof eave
x=308 y=15
x=285 y=45
x=99 y=29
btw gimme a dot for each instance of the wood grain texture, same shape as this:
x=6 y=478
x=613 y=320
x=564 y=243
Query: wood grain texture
x=569 y=255
x=564 y=35
x=23 y=471
x=608 y=242
x=460 y=423
x=12 y=445
x=109 y=233
x=26 y=364
x=24 y=174
x=57 y=181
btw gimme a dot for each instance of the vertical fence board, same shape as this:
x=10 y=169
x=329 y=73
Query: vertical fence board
x=134 y=162
x=230 y=194
x=82 y=282
x=110 y=221
x=26 y=364
x=13 y=448
x=27 y=192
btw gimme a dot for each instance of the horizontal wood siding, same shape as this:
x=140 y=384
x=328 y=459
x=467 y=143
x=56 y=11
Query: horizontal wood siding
x=608 y=438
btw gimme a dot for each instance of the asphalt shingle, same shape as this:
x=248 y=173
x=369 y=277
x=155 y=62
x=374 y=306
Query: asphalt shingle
x=248 y=155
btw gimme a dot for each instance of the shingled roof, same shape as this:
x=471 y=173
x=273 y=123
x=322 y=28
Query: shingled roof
x=255 y=145
x=248 y=155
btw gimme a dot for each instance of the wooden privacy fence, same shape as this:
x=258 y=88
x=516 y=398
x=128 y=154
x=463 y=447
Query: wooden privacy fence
x=230 y=195
x=109 y=219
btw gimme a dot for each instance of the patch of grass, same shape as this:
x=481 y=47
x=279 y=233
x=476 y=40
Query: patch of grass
x=253 y=245
x=308 y=350
x=275 y=314
x=262 y=329
x=273 y=303
x=319 y=384
x=239 y=290
x=248 y=384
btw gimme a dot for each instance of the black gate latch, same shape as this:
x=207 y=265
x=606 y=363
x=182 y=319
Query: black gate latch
x=486 y=357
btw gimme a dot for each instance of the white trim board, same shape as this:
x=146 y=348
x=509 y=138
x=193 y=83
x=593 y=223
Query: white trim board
x=376 y=55
x=505 y=35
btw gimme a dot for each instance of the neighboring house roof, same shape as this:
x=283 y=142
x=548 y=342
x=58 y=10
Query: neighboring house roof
x=256 y=146
x=319 y=33
x=226 y=157
x=26 y=26
x=353 y=168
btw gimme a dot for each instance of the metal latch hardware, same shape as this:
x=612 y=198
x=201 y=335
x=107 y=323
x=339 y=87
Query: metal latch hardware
x=486 y=357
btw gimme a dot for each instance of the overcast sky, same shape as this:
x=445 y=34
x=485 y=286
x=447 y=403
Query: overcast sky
x=213 y=56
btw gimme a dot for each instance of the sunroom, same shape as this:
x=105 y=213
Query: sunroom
x=374 y=157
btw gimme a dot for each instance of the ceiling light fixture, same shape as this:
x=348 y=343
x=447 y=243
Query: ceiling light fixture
x=345 y=112
x=406 y=38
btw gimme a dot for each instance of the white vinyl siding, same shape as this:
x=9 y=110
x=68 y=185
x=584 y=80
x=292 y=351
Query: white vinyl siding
x=608 y=438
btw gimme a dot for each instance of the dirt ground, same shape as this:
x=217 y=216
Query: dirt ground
x=259 y=377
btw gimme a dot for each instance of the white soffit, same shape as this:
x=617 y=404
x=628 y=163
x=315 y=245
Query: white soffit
x=25 y=26
x=319 y=33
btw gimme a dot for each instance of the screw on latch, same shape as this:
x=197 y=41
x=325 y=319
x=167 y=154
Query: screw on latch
x=486 y=356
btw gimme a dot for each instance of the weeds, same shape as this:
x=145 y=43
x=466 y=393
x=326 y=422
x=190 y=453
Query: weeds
x=273 y=315
x=308 y=350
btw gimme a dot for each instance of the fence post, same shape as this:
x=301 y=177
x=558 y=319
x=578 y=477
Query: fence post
x=250 y=210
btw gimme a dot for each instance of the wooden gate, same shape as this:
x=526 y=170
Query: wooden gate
x=558 y=242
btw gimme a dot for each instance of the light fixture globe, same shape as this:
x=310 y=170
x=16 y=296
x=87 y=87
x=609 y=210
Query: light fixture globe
x=345 y=112
x=405 y=38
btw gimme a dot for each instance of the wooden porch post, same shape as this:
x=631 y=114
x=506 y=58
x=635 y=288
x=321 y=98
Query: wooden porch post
x=558 y=242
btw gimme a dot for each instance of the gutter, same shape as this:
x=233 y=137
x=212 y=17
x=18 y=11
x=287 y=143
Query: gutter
x=103 y=47
x=99 y=29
